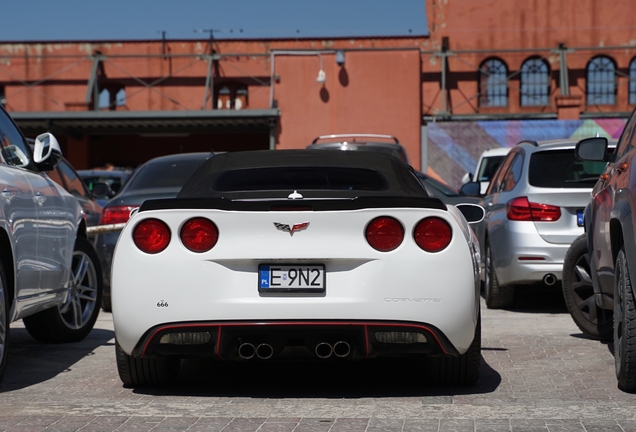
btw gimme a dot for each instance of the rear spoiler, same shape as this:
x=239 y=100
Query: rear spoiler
x=358 y=203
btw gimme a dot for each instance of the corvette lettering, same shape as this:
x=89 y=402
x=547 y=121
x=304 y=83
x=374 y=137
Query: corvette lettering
x=412 y=300
x=291 y=230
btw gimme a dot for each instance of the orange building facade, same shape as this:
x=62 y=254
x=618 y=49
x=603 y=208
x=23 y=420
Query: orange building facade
x=124 y=102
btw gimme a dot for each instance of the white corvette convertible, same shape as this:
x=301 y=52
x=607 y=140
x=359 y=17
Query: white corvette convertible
x=297 y=254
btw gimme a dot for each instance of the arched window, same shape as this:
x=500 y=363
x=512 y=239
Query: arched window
x=632 y=82
x=535 y=82
x=223 y=101
x=493 y=84
x=120 y=97
x=601 y=81
x=104 y=99
x=240 y=101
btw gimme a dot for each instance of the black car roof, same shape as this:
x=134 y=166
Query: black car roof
x=400 y=178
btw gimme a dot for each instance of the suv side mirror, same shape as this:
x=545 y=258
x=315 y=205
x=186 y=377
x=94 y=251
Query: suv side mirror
x=592 y=149
x=471 y=189
x=46 y=152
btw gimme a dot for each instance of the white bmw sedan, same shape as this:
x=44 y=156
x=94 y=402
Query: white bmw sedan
x=297 y=254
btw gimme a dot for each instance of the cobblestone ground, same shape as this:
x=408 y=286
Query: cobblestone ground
x=538 y=374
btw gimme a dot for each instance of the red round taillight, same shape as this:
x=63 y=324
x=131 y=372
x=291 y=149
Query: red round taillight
x=151 y=236
x=384 y=233
x=199 y=235
x=433 y=234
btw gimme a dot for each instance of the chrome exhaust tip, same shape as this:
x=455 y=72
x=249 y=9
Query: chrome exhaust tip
x=549 y=279
x=324 y=350
x=264 y=351
x=246 y=351
x=341 y=349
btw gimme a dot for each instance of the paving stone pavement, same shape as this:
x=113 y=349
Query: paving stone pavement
x=538 y=374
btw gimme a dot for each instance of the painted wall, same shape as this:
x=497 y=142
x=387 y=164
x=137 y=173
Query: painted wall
x=455 y=147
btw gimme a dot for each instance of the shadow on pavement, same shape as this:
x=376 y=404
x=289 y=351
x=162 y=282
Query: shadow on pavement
x=31 y=362
x=315 y=379
x=539 y=299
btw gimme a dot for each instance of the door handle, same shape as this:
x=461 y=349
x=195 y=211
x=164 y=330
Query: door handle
x=39 y=198
x=8 y=195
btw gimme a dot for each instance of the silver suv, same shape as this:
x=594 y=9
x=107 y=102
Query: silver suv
x=49 y=272
x=361 y=142
x=534 y=211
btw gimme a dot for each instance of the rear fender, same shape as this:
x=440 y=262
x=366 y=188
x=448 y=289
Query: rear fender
x=622 y=231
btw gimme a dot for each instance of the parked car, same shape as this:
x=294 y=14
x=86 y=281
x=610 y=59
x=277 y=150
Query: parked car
x=115 y=179
x=610 y=223
x=486 y=166
x=65 y=175
x=387 y=144
x=161 y=177
x=49 y=274
x=534 y=211
x=443 y=191
x=297 y=254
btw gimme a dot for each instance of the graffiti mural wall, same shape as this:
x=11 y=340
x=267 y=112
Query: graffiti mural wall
x=454 y=147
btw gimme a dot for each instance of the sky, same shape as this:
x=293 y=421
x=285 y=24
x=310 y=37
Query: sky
x=62 y=20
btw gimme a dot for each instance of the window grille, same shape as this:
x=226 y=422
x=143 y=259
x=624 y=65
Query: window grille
x=535 y=83
x=601 y=81
x=493 y=84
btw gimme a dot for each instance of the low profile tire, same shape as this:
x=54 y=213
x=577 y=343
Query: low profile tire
x=497 y=297
x=462 y=370
x=4 y=322
x=73 y=320
x=624 y=325
x=578 y=292
x=144 y=372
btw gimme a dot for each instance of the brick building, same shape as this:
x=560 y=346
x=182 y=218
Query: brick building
x=488 y=74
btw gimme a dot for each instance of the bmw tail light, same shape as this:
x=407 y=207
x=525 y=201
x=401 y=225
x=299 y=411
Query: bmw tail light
x=116 y=214
x=199 y=234
x=384 y=233
x=151 y=236
x=520 y=209
x=433 y=234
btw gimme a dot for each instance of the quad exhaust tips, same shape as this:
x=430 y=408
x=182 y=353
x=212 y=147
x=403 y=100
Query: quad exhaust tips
x=263 y=351
x=339 y=349
x=246 y=351
x=323 y=350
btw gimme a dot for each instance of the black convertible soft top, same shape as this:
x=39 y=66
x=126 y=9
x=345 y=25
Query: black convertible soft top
x=259 y=180
x=311 y=173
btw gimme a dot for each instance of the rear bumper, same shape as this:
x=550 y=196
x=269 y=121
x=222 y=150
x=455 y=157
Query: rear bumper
x=279 y=339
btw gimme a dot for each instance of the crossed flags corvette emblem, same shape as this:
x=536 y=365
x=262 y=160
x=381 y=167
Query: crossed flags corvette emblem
x=291 y=230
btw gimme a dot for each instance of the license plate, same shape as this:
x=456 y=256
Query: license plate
x=580 y=218
x=291 y=278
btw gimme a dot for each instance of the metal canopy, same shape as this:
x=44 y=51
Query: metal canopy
x=147 y=122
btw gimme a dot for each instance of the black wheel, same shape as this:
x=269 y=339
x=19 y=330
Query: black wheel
x=4 y=322
x=624 y=325
x=462 y=370
x=594 y=322
x=497 y=297
x=142 y=372
x=73 y=320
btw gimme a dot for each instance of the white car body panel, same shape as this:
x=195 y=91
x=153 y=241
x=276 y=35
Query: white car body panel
x=406 y=284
